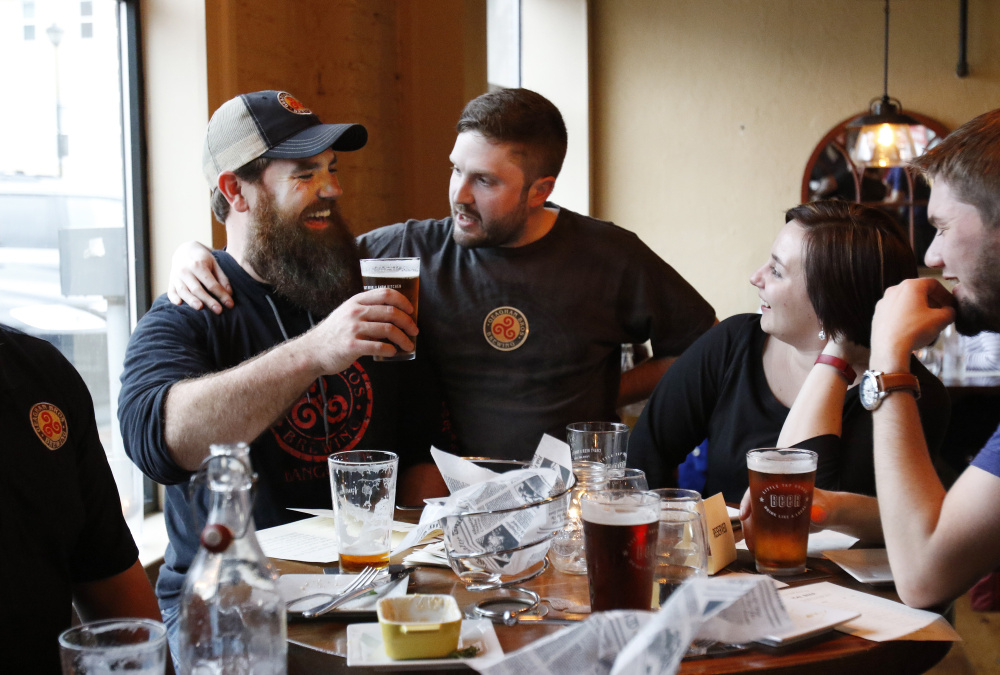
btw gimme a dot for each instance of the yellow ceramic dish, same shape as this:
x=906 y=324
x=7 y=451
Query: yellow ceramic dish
x=419 y=626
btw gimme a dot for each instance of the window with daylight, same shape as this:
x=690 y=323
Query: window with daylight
x=72 y=234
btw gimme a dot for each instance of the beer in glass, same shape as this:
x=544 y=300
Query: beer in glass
x=401 y=274
x=620 y=528
x=781 y=490
x=363 y=483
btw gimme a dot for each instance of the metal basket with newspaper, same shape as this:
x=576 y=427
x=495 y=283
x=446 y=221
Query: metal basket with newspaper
x=505 y=541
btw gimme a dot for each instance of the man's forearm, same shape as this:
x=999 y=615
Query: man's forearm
x=234 y=405
x=638 y=383
x=910 y=499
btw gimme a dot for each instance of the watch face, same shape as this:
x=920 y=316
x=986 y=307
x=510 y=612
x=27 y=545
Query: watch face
x=869 y=390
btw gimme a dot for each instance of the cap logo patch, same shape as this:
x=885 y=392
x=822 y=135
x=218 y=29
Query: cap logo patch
x=505 y=328
x=49 y=424
x=292 y=104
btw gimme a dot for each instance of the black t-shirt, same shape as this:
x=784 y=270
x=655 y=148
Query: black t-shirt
x=528 y=339
x=61 y=519
x=361 y=403
x=717 y=390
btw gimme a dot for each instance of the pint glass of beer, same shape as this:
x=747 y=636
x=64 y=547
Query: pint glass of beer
x=401 y=274
x=364 y=496
x=620 y=528
x=781 y=491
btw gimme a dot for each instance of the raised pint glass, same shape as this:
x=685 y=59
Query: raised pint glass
x=401 y=274
x=620 y=528
x=781 y=491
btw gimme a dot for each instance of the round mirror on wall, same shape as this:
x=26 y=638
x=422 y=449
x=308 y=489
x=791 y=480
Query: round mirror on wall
x=901 y=193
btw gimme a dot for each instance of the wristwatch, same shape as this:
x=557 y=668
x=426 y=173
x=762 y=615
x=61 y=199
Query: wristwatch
x=876 y=385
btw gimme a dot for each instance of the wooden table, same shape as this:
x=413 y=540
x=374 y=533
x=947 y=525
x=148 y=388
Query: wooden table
x=321 y=646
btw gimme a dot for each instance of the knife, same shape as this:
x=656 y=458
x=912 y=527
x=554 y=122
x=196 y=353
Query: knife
x=381 y=580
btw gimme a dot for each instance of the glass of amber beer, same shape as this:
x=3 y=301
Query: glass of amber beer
x=364 y=495
x=620 y=528
x=781 y=491
x=401 y=274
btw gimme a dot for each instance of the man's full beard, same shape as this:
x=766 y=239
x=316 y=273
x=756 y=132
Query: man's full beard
x=315 y=269
x=974 y=315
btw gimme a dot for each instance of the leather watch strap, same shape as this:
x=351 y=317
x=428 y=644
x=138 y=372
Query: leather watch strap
x=901 y=382
x=842 y=366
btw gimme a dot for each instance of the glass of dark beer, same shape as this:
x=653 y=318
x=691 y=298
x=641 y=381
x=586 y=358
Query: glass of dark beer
x=620 y=529
x=401 y=274
x=781 y=491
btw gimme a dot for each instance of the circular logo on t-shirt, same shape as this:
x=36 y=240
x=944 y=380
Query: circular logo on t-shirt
x=348 y=412
x=292 y=104
x=505 y=328
x=49 y=424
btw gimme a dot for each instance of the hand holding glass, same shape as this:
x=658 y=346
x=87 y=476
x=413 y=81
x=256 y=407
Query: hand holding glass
x=401 y=274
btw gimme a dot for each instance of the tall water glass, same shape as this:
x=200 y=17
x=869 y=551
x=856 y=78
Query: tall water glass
x=681 y=550
x=137 y=646
x=604 y=442
x=363 y=483
x=620 y=529
x=781 y=491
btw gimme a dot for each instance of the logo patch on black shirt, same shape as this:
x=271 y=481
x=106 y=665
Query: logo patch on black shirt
x=49 y=424
x=505 y=328
x=348 y=412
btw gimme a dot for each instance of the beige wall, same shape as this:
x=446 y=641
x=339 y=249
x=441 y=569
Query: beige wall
x=706 y=111
x=173 y=35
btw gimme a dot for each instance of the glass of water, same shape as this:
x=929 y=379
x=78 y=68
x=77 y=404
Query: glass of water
x=137 y=646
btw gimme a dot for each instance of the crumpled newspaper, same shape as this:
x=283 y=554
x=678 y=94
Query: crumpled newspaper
x=478 y=490
x=728 y=610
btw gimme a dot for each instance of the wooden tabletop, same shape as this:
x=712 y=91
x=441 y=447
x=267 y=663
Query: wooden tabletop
x=321 y=646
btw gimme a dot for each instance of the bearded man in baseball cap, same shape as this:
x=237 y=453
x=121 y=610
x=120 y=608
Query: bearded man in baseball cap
x=288 y=369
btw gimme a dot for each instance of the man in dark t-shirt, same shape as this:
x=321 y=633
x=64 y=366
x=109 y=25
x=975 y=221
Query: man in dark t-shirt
x=64 y=537
x=288 y=370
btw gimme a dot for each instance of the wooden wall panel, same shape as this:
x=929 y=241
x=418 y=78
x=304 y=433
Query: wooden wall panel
x=400 y=67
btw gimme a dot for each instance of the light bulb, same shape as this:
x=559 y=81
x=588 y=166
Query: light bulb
x=885 y=135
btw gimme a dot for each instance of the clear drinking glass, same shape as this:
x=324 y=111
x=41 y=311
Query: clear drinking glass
x=363 y=483
x=627 y=479
x=137 y=646
x=604 y=442
x=681 y=550
x=567 y=552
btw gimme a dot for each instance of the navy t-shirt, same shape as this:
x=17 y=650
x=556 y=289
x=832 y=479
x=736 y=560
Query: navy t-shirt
x=988 y=459
x=358 y=408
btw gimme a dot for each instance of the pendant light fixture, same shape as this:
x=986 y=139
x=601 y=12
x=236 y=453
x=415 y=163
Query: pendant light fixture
x=884 y=137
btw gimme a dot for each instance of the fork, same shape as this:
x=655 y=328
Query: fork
x=368 y=583
x=364 y=577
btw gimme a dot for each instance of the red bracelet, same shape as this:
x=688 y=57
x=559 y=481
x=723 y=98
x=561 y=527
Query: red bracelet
x=842 y=366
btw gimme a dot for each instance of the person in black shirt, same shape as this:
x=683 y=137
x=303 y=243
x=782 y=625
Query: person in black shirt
x=65 y=541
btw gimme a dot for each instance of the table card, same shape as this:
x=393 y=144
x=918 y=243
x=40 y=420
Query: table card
x=721 y=543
